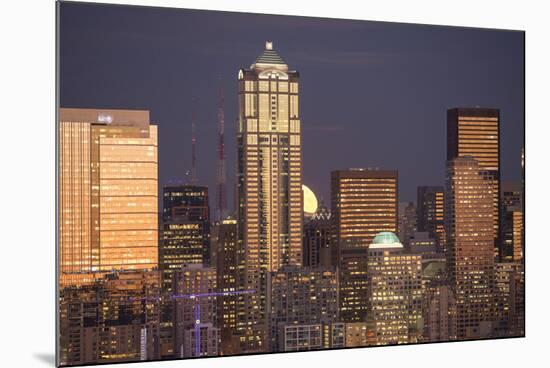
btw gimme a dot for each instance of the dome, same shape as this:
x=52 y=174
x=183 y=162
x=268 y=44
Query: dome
x=386 y=239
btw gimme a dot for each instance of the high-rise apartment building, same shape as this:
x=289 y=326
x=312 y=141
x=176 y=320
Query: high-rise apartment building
x=269 y=181
x=475 y=132
x=114 y=319
x=510 y=290
x=394 y=304
x=108 y=205
x=469 y=227
x=229 y=266
x=196 y=317
x=303 y=296
x=364 y=203
x=185 y=237
x=430 y=213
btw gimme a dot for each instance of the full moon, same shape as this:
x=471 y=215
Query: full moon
x=310 y=201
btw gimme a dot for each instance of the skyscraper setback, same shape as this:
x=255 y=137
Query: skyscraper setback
x=475 y=132
x=108 y=192
x=269 y=180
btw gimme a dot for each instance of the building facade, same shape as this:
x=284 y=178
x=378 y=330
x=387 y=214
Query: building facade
x=317 y=238
x=185 y=237
x=431 y=213
x=302 y=296
x=107 y=193
x=269 y=181
x=113 y=319
x=195 y=298
x=469 y=226
x=512 y=222
x=475 y=132
x=394 y=306
x=406 y=222
x=364 y=203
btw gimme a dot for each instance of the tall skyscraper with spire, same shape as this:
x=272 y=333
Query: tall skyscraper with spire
x=269 y=181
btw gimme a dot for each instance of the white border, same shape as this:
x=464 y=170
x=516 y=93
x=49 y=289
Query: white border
x=27 y=180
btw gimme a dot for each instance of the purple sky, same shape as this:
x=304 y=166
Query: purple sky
x=372 y=94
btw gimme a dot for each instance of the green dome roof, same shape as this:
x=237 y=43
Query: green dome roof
x=385 y=237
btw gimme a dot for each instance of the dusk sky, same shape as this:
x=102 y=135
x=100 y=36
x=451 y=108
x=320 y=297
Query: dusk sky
x=372 y=94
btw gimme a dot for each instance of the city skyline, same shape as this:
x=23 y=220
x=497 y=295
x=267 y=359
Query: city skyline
x=149 y=269
x=364 y=63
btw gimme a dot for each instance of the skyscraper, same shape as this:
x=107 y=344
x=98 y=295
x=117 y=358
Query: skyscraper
x=108 y=201
x=227 y=258
x=269 y=180
x=394 y=304
x=364 y=203
x=469 y=228
x=475 y=132
x=430 y=213
x=185 y=229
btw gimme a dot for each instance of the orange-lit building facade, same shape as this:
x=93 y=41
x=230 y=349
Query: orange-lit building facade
x=470 y=257
x=269 y=181
x=475 y=132
x=108 y=199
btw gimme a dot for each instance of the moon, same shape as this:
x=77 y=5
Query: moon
x=310 y=201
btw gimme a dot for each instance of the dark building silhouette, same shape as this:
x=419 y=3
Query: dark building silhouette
x=317 y=238
x=185 y=237
x=430 y=213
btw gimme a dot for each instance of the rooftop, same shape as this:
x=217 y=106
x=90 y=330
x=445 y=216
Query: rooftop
x=385 y=239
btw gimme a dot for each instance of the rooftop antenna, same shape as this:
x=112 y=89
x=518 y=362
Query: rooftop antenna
x=221 y=191
x=194 y=142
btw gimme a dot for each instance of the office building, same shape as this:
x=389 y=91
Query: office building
x=364 y=203
x=394 y=304
x=475 y=132
x=185 y=237
x=469 y=227
x=269 y=181
x=107 y=193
